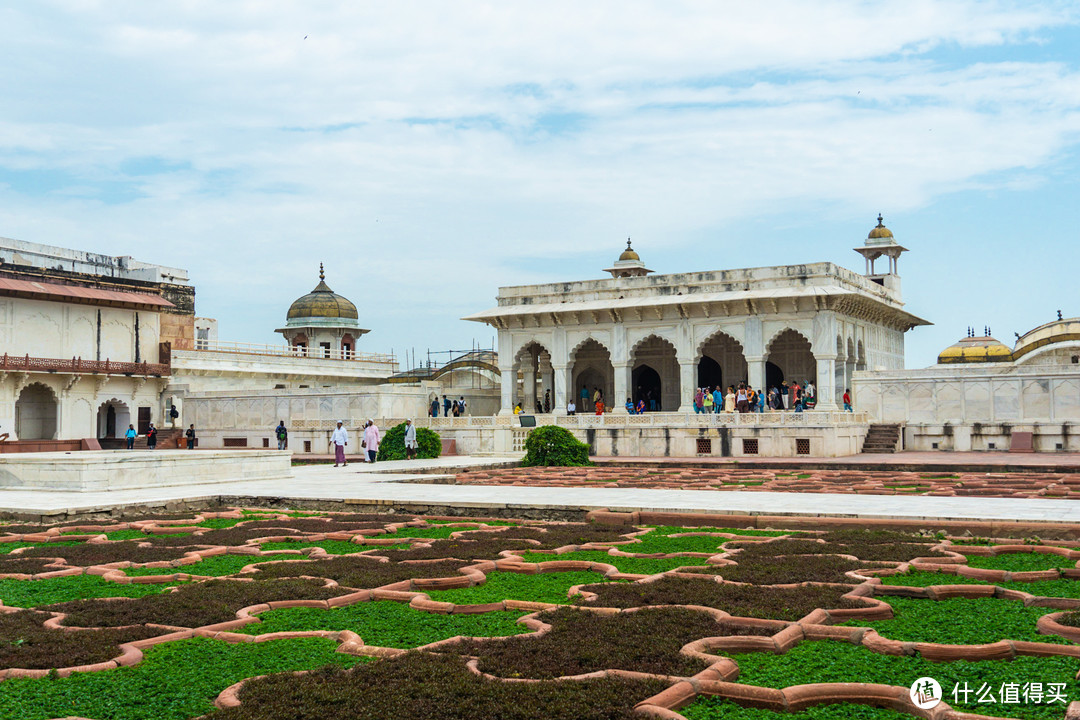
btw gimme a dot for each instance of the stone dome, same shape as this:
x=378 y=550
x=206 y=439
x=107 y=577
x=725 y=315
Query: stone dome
x=975 y=350
x=628 y=254
x=322 y=302
x=879 y=231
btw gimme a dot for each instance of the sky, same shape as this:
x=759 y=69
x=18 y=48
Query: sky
x=430 y=152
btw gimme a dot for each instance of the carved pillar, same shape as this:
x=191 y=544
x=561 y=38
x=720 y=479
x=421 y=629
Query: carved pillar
x=563 y=384
x=507 y=385
x=528 y=402
x=547 y=379
x=687 y=376
x=755 y=368
x=826 y=389
x=622 y=388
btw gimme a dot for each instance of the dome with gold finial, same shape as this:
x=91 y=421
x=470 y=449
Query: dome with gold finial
x=628 y=254
x=629 y=264
x=879 y=231
x=322 y=302
x=973 y=349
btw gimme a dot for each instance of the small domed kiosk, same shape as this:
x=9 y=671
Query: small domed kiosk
x=973 y=349
x=629 y=264
x=323 y=323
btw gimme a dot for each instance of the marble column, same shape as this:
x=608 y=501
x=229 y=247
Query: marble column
x=841 y=380
x=507 y=386
x=687 y=385
x=755 y=368
x=623 y=383
x=562 y=383
x=528 y=401
x=826 y=388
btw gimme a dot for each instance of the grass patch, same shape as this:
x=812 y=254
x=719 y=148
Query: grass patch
x=542 y=587
x=175 y=681
x=419 y=686
x=215 y=566
x=960 y=621
x=1064 y=588
x=389 y=624
x=6 y=548
x=33 y=593
x=1019 y=562
x=220 y=523
x=126 y=535
x=637 y=566
x=431 y=532
x=824 y=661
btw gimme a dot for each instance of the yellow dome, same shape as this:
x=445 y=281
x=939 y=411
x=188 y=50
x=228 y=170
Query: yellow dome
x=322 y=302
x=975 y=350
x=628 y=253
x=880 y=231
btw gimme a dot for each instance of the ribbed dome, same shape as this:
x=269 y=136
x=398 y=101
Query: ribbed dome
x=628 y=253
x=975 y=350
x=322 y=302
x=880 y=231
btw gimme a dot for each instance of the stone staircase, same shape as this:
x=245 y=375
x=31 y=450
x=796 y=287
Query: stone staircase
x=882 y=439
x=167 y=438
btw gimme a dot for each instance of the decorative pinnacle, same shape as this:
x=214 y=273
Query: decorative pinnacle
x=322 y=275
x=1059 y=314
x=879 y=220
x=628 y=248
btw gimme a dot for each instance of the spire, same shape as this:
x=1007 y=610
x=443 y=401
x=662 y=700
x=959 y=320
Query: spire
x=880 y=220
x=322 y=275
x=628 y=244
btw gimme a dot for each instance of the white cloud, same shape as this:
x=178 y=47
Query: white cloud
x=420 y=144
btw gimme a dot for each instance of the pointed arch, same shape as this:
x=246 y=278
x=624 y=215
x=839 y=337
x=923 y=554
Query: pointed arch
x=592 y=372
x=791 y=353
x=654 y=375
x=36 y=412
x=113 y=418
x=721 y=361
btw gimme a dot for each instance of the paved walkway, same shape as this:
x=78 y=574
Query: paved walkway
x=924 y=461
x=374 y=485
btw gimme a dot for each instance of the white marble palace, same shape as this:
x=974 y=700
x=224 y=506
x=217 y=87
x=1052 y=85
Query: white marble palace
x=639 y=334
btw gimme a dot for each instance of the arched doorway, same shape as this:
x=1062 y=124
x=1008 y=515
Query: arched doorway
x=773 y=375
x=709 y=373
x=113 y=418
x=722 y=361
x=533 y=363
x=793 y=357
x=35 y=413
x=647 y=387
x=655 y=356
x=592 y=371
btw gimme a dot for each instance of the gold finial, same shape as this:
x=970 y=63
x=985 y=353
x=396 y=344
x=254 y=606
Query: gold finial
x=322 y=275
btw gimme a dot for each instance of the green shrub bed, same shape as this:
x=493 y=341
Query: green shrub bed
x=633 y=565
x=433 y=687
x=389 y=624
x=358 y=571
x=6 y=548
x=542 y=587
x=1020 y=562
x=33 y=593
x=220 y=523
x=392 y=447
x=580 y=642
x=716 y=708
x=556 y=536
x=175 y=681
x=416 y=532
x=26 y=643
x=824 y=662
x=214 y=566
x=126 y=535
x=1064 y=588
x=191 y=605
x=554 y=446
x=739 y=600
x=961 y=621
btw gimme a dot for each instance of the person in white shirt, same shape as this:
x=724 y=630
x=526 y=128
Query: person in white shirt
x=410 y=440
x=571 y=408
x=339 y=440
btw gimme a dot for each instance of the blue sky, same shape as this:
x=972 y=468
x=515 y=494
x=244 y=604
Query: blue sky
x=431 y=152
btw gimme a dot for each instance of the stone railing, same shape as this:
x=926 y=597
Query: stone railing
x=314 y=353
x=25 y=363
x=657 y=419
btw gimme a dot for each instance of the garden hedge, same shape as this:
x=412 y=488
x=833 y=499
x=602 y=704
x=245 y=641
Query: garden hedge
x=552 y=446
x=392 y=446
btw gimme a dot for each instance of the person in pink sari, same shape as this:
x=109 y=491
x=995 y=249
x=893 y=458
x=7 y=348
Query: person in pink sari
x=371 y=440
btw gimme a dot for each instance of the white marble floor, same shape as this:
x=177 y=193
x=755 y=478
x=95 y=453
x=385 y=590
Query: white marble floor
x=382 y=484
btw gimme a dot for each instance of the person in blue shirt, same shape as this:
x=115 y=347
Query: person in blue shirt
x=130 y=435
x=630 y=406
